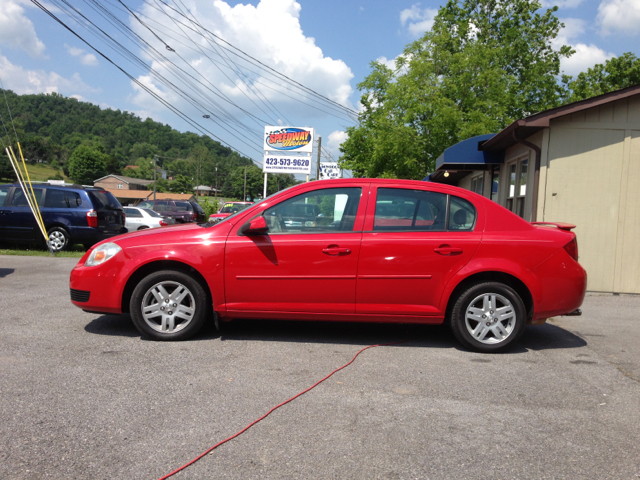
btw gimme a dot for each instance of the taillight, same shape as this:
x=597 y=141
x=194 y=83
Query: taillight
x=163 y=223
x=572 y=248
x=92 y=218
x=195 y=216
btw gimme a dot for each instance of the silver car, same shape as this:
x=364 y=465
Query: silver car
x=141 y=218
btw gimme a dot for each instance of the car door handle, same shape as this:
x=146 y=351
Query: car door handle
x=335 y=250
x=447 y=250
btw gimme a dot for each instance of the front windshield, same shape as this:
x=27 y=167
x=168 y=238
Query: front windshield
x=234 y=207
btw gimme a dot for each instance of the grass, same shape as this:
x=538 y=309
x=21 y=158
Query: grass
x=40 y=172
x=76 y=251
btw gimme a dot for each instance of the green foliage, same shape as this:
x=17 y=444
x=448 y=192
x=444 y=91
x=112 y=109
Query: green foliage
x=52 y=127
x=87 y=164
x=210 y=206
x=181 y=184
x=616 y=73
x=484 y=64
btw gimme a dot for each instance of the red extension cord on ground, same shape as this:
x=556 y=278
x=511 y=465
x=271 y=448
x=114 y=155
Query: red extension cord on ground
x=274 y=408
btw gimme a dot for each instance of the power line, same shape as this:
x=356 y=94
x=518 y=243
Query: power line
x=141 y=85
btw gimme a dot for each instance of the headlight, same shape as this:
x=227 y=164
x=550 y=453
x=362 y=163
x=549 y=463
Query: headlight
x=101 y=254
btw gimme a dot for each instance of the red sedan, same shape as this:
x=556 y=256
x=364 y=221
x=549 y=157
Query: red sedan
x=344 y=250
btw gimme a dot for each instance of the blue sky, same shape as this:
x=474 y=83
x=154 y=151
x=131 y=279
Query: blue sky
x=326 y=45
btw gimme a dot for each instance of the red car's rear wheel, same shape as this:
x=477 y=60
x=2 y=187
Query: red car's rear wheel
x=488 y=317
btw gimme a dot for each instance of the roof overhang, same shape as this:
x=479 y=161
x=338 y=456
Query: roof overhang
x=534 y=123
x=467 y=155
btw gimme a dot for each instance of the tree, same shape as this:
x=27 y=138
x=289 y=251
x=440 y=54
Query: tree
x=255 y=182
x=484 y=64
x=181 y=184
x=87 y=164
x=616 y=73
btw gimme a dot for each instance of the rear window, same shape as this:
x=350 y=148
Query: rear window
x=102 y=199
x=197 y=207
x=151 y=212
x=184 y=207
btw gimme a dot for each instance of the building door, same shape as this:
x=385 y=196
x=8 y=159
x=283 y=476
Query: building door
x=583 y=188
x=627 y=273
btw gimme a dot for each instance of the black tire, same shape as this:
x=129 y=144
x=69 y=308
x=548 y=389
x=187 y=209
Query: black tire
x=474 y=326
x=172 y=321
x=59 y=239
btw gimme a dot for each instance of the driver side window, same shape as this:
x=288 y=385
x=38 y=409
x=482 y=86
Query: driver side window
x=320 y=211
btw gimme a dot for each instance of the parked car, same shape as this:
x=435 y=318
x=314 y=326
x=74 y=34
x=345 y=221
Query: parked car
x=181 y=212
x=141 y=218
x=201 y=217
x=229 y=208
x=454 y=256
x=71 y=214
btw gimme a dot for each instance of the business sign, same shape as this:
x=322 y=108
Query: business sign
x=286 y=164
x=329 y=171
x=289 y=139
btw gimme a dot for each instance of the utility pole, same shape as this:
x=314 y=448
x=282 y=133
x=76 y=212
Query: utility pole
x=318 y=165
x=155 y=171
x=216 y=183
x=244 y=199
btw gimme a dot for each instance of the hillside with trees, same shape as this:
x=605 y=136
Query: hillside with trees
x=87 y=142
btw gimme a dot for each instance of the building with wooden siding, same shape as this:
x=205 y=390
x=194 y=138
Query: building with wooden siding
x=580 y=164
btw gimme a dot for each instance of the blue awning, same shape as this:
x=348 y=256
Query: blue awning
x=466 y=155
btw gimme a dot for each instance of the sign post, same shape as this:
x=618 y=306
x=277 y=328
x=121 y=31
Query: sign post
x=279 y=145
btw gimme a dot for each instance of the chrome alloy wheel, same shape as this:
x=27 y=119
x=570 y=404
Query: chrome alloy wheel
x=490 y=318
x=168 y=307
x=57 y=240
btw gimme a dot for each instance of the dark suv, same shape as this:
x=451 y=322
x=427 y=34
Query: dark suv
x=182 y=212
x=72 y=214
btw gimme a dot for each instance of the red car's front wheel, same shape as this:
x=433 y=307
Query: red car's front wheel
x=168 y=305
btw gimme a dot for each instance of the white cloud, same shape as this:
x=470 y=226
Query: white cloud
x=561 y=3
x=389 y=63
x=23 y=81
x=333 y=144
x=586 y=56
x=269 y=31
x=16 y=30
x=418 y=20
x=619 y=17
x=85 y=58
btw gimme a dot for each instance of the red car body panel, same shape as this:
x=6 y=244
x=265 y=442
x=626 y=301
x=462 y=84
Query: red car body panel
x=385 y=276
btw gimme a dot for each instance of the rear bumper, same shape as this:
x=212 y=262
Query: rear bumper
x=93 y=235
x=563 y=284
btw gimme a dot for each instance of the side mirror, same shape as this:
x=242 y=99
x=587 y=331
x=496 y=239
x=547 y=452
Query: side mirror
x=257 y=226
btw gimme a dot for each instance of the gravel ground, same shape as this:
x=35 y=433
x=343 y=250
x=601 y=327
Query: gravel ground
x=83 y=396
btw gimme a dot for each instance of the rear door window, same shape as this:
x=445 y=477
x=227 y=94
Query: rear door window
x=62 y=199
x=462 y=214
x=409 y=210
x=133 y=213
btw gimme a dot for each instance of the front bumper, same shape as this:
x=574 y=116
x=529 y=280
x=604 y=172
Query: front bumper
x=100 y=286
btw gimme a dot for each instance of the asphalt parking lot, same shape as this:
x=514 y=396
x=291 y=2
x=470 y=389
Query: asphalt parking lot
x=83 y=396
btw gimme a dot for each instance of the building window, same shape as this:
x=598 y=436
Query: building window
x=120 y=186
x=516 y=195
x=495 y=181
x=477 y=183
